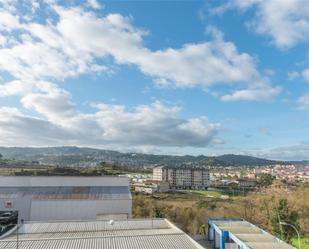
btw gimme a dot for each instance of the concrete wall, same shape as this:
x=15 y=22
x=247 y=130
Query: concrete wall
x=62 y=181
x=43 y=210
x=77 y=209
x=22 y=205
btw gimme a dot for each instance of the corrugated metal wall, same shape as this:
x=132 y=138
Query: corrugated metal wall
x=77 y=209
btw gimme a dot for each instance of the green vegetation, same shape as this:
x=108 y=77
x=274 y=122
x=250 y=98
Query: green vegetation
x=265 y=180
x=114 y=169
x=37 y=170
x=304 y=242
x=282 y=213
x=190 y=210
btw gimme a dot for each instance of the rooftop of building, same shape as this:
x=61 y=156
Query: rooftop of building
x=122 y=234
x=247 y=235
x=59 y=193
x=63 y=181
x=182 y=166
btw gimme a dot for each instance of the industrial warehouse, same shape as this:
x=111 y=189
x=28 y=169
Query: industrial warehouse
x=66 y=198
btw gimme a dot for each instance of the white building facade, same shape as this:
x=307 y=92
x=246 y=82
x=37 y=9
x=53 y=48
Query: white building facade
x=182 y=177
x=65 y=198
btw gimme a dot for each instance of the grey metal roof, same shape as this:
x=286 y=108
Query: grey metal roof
x=252 y=236
x=133 y=234
x=58 y=193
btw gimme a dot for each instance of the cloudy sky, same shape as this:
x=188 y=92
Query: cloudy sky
x=165 y=77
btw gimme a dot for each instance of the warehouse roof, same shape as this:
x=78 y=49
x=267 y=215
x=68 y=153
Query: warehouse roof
x=63 y=181
x=134 y=234
x=58 y=193
x=248 y=235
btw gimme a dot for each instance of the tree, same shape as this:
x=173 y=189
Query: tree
x=202 y=230
x=156 y=213
x=282 y=213
x=1 y=156
x=265 y=180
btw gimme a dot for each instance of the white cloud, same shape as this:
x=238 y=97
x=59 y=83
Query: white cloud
x=298 y=151
x=293 y=75
x=73 y=43
x=8 y=4
x=64 y=49
x=146 y=125
x=3 y=40
x=94 y=4
x=8 y=21
x=18 y=129
x=154 y=124
x=302 y=75
x=303 y=101
x=305 y=74
x=286 y=22
x=257 y=94
x=15 y=87
x=202 y=64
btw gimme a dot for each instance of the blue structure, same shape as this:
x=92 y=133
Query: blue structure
x=241 y=234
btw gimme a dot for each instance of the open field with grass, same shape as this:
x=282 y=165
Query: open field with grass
x=304 y=242
x=187 y=198
x=206 y=193
x=187 y=195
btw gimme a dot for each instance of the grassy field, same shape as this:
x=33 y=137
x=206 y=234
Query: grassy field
x=187 y=195
x=205 y=193
x=304 y=242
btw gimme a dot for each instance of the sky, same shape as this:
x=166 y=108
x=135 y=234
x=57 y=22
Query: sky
x=165 y=77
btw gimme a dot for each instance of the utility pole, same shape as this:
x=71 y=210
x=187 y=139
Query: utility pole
x=17 y=236
x=287 y=224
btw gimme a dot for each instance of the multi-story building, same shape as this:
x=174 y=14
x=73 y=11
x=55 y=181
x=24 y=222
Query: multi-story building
x=182 y=177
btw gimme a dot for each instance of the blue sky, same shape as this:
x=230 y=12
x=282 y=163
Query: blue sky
x=167 y=77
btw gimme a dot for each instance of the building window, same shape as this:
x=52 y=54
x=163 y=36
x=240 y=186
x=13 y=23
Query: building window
x=8 y=204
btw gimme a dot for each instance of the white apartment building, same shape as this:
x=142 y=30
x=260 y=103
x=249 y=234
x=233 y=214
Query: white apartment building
x=182 y=177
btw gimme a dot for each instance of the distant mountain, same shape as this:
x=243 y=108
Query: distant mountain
x=245 y=160
x=76 y=156
x=302 y=162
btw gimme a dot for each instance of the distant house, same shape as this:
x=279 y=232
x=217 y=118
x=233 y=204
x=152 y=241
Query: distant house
x=152 y=186
x=232 y=183
x=247 y=183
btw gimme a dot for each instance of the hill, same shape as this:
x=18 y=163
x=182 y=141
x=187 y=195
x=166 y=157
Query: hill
x=77 y=156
